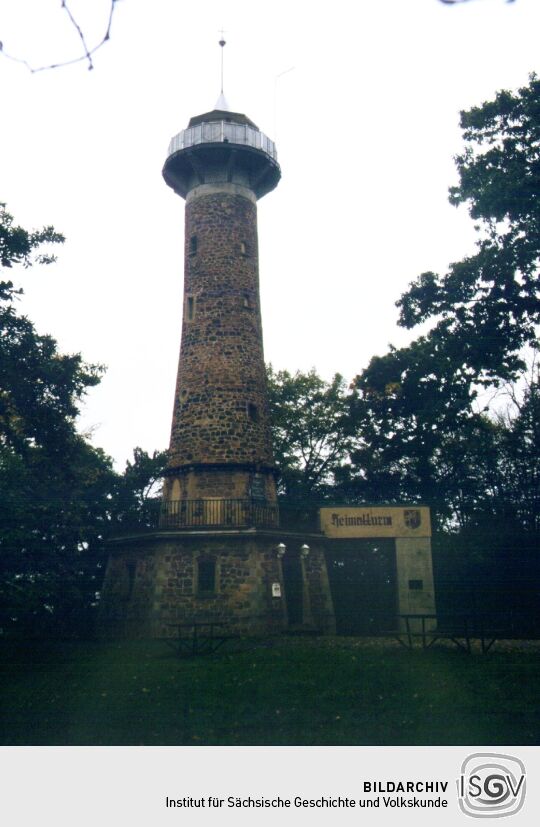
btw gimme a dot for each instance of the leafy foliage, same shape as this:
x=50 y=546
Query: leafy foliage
x=54 y=518
x=421 y=436
x=310 y=428
x=404 y=405
x=53 y=485
x=137 y=493
x=487 y=307
x=521 y=451
x=59 y=496
x=20 y=246
x=40 y=389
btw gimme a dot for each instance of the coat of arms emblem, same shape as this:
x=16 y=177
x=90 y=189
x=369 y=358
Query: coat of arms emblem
x=412 y=517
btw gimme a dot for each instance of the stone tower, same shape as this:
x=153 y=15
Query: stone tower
x=216 y=551
x=220 y=449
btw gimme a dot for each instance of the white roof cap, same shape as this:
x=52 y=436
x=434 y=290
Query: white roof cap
x=222 y=104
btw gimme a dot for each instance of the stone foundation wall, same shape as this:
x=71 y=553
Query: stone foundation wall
x=163 y=588
x=127 y=595
x=242 y=597
x=154 y=583
x=320 y=597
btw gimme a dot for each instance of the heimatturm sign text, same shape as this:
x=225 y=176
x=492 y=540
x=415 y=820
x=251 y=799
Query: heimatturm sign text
x=376 y=521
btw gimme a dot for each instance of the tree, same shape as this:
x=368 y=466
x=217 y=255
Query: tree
x=40 y=389
x=487 y=307
x=403 y=404
x=55 y=517
x=20 y=246
x=60 y=498
x=87 y=51
x=54 y=487
x=310 y=429
x=138 y=490
x=422 y=436
x=415 y=406
x=419 y=439
x=521 y=456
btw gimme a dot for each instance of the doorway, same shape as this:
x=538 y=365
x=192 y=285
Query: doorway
x=294 y=587
x=363 y=583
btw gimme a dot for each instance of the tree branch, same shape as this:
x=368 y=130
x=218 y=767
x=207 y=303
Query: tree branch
x=87 y=55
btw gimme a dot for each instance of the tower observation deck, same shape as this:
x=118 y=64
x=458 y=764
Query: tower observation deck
x=220 y=447
x=201 y=152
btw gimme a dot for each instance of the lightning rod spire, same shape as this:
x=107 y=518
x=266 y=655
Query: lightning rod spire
x=222 y=43
x=222 y=101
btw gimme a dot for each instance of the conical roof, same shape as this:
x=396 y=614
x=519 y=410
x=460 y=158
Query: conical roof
x=222 y=104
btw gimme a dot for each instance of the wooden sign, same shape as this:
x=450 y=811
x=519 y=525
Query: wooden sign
x=376 y=521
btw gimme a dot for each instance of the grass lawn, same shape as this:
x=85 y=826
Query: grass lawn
x=342 y=691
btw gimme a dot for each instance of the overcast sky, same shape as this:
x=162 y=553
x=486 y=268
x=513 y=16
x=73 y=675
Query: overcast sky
x=366 y=124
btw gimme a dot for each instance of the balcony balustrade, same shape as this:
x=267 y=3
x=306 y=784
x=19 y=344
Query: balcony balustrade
x=217 y=513
x=216 y=132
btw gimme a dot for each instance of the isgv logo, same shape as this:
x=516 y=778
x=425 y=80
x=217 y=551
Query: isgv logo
x=491 y=785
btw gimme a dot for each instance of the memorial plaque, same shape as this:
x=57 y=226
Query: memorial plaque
x=257 y=487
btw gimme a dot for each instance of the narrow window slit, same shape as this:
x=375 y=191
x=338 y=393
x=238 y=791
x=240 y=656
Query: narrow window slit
x=252 y=412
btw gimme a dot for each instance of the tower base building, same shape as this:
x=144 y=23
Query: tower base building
x=238 y=579
x=363 y=569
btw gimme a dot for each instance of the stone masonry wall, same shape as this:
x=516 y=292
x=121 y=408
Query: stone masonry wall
x=128 y=593
x=318 y=588
x=164 y=588
x=210 y=483
x=242 y=599
x=221 y=408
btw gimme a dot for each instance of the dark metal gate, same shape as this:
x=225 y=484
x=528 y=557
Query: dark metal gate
x=363 y=583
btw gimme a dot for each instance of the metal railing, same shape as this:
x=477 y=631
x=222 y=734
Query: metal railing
x=213 y=132
x=217 y=513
